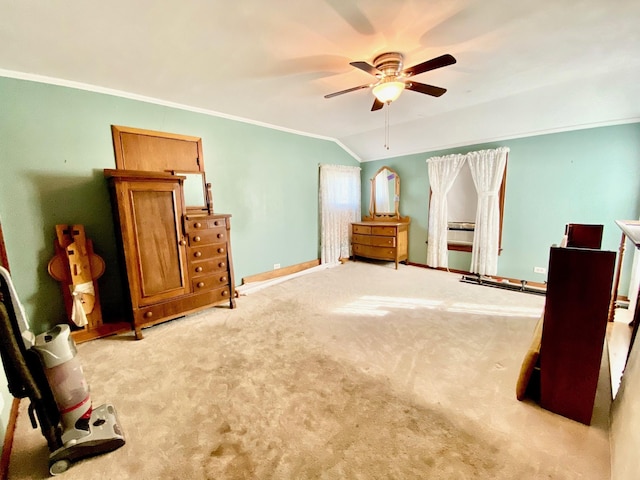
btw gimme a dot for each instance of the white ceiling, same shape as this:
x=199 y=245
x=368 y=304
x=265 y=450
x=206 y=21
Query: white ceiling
x=523 y=66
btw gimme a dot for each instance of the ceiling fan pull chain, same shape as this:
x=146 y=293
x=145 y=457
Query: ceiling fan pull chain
x=386 y=126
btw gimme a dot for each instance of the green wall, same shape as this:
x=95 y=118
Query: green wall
x=56 y=141
x=583 y=176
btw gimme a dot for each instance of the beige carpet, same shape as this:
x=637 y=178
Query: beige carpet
x=353 y=372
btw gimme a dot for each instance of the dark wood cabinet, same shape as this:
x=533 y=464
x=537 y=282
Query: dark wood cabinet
x=176 y=263
x=575 y=321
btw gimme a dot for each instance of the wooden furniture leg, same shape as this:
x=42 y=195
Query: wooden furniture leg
x=616 y=280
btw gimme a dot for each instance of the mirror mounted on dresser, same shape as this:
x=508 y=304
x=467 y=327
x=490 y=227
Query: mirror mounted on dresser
x=385 y=195
x=384 y=234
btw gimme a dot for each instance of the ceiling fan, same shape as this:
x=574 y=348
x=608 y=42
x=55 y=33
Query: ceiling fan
x=392 y=79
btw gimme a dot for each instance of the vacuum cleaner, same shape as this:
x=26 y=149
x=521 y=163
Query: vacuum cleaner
x=45 y=369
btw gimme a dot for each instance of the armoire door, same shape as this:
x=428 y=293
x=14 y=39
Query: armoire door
x=151 y=213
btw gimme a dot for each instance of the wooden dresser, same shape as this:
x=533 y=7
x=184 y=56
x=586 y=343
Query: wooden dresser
x=209 y=256
x=176 y=263
x=382 y=240
x=176 y=252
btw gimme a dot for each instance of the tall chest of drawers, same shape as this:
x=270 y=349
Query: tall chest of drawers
x=381 y=240
x=209 y=255
x=175 y=262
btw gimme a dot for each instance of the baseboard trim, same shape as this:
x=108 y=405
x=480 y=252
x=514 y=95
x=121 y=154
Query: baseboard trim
x=8 y=439
x=442 y=269
x=497 y=278
x=281 y=272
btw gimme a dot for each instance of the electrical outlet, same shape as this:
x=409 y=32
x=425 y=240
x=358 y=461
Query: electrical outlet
x=539 y=270
x=276 y=266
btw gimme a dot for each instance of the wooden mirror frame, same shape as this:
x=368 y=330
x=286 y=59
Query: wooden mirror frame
x=153 y=151
x=206 y=204
x=372 y=201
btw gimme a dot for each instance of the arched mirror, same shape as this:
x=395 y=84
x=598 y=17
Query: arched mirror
x=385 y=194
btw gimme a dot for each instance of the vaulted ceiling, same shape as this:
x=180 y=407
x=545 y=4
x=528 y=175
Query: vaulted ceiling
x=523 y=66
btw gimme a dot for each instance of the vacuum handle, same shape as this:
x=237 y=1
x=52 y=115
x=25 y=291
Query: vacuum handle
x=32 y=416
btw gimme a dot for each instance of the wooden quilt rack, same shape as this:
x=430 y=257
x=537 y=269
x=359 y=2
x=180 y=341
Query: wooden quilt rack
x=75 y=265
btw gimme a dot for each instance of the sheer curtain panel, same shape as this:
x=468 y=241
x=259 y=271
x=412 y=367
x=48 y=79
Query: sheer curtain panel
x=442 y=173
x=487 y=169
x=339 y=206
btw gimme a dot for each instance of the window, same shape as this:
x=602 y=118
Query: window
x=462 y=203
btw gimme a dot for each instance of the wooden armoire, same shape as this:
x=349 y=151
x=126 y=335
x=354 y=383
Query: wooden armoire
x=175 y=250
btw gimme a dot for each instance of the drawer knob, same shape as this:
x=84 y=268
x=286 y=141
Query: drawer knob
x=220 y=235
x=197 y=225
x=221 y=250
x=196 y=238
x=223 y=279
x=200 y=284
x=222 y=264
x=197 y=254
x=148 y=314
x=224 y=293
x=216 y=223
x=182 y=242
x=198 y=269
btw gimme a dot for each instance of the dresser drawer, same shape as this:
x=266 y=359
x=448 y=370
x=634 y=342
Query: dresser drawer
x=208 y=236
x=204 y=252
x=148 y=314
x=363 y=229
x=210 y=281
x=362 y=239
x=193 y=224
x=207 y=267
x=382 y=253
x=179 y=306
x=382 y=241
x=386 y=231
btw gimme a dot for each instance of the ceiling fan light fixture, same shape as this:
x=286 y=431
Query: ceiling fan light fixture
x=388 y=91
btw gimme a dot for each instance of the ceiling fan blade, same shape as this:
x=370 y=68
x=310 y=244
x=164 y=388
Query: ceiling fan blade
x=377 y=105
x=427 y=89
x=438 y=62
x=353 y=89
x=366 y=67
x=353 y=15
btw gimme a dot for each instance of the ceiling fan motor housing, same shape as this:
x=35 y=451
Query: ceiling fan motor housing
x=390 y=64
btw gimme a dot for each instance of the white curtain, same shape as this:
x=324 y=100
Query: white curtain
x=487 y=169
x=339 y=206
x=442 y=173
